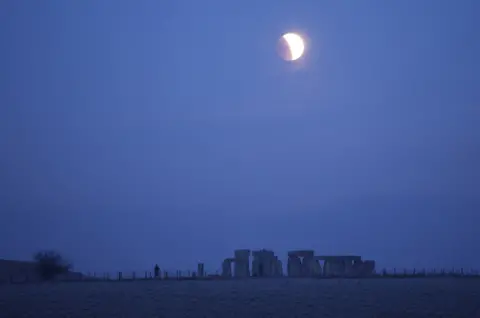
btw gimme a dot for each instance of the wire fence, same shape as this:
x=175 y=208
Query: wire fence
x=453 y=272
x=149 y=275
x=171 y=275
x=114 y=276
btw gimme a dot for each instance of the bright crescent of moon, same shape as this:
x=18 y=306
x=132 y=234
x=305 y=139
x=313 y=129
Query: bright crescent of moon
x=295 y=44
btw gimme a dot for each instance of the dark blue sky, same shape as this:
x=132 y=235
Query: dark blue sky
x=135 y=132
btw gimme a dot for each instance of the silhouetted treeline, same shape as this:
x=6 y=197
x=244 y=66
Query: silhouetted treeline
x=50 y=264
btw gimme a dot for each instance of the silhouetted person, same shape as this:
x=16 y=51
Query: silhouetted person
x=156 y=270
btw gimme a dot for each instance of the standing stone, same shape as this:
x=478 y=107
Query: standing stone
x=308 y=266
x=276 y=269
x=297 y=266
x=227 y=268
x=327 y=268
x=256 y=267
x=200 y=270
x=348 y=267
x=279 y=268
x=259 y=265
x=294 y=266
x=317 y=268
x=269 y=263
x=368 y=268
x=242 y=263
x=335 y=267
x=265 y=264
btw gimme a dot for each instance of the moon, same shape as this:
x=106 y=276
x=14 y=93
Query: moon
x=291 y=46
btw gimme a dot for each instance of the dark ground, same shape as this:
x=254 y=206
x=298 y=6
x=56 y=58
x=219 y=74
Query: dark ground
x=442 y=297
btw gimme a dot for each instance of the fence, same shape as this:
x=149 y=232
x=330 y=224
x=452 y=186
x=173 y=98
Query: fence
x=114 y=276
x=405 y=273
x=147 y=275
x=192 y=275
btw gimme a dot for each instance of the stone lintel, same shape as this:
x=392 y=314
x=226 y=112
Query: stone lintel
x=260 y=253
x=242 y=253
x=301 y=253
x=332 y=258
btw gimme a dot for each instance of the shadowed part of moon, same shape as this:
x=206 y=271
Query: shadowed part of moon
x=283 y=49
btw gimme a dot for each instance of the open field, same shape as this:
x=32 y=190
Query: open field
x=250 y=298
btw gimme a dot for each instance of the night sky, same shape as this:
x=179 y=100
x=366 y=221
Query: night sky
x=142 y=132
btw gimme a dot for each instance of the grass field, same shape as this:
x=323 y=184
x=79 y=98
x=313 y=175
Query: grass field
x=251 y=298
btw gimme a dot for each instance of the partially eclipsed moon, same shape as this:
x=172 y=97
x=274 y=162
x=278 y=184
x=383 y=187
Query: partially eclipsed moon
x=291 y=46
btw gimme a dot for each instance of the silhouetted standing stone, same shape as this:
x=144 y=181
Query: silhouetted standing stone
x=242 y=263
x=227 y=267
x=279 y=269
x=266 y=264
x=200 y=270
x=301 y=263
x=317 y=268
x=294 y=266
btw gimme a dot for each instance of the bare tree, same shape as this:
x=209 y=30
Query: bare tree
x=50 y=264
